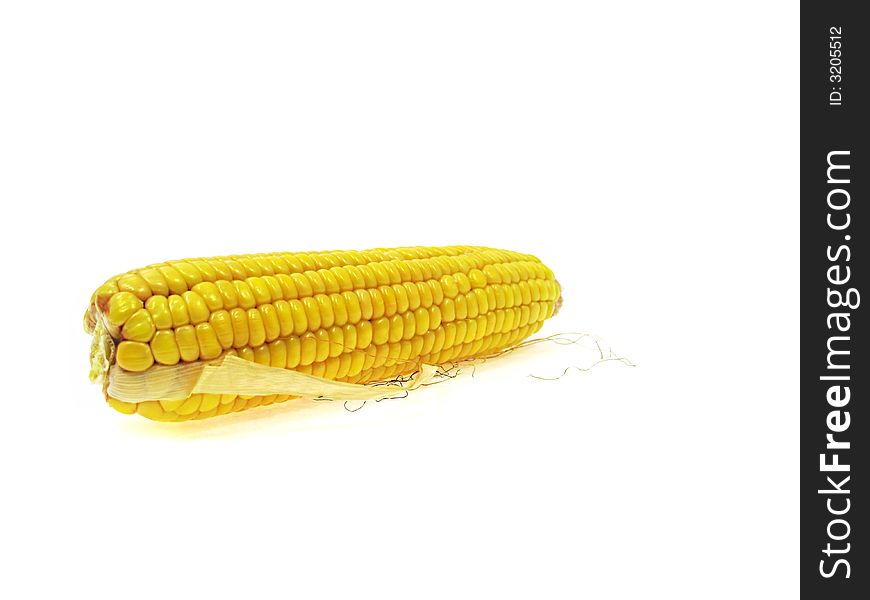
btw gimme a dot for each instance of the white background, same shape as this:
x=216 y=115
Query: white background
x=647 y=152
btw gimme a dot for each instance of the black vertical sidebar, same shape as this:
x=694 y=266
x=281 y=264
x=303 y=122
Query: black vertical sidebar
x=834 y=369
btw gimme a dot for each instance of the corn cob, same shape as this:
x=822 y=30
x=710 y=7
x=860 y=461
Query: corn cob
x=356 y=317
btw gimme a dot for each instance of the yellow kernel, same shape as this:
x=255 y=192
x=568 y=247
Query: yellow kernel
x=331 y=367
x=356 y=277
x=365 y=304
x=352 y=307
x=196 y=307
x=178 y=311
x=440 y=338
x=434 y=317
x=190 y=406
x=318 y=369
x=275 y=291
x=262 y=355
x=499 y=321
x=393 y=351
x=421 y=316
x=392 y=268
x=278 y=354
x=209 y=402
x=294 y=351
x=222 y=324
x=285 y=317
x=209 y=346
x=318 y=286
x=336 y=340
x=461 y=331
x=378 y=303
x=156 y=281
x=170 y=405
x=235 y=268
x=128 y=408
x=152 y=410
x=428 y=343
x=308 y=348
x=391 y=305
x=245 y=294
x=294 y=265
x=524 y=315
x=252 y=269
x=343 y=366
x=158 y=307
x=397 y=328
x=205 y=269
x=461 y=307
x=477 y=278
x=402 y=302
x=448 y=310
x=164 y=348
x=350 y=337
x=288 y=287
x=371 y=279
x=256 y=330
x=409 y=325
x=534 y=312
x=381 y=274
x=322 y=337
x=265 y=265
x=471 y=304
x=303 y=285
x=449 y=334
x=413 y=294
x=381 y=331
x=462 y=282
x=364 y=334
x=437 y=291
x=471 y=330
x=134 y=356
x=424 y=292
x=173 y=278
x=416 y=271
x=121 y=307
x=312 y=313
x=381 y=352
x=271 y=325
x=481 y=328
x=405 y=350
x=300 y=320
x=135 y=284
x=339 y=308
x=324 y=306
x=239 y=320
x=481 y=299
x=210 y=294
x=343 y=278
x=500 y=299
x=222 y=272
x=492 y=274
x=191 y=274
x=535 y=288
x=139 y=327
x=357 y=360
x=330 y=282
x=260 y=290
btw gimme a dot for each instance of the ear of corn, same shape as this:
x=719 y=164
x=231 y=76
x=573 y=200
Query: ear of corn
x=351 y=316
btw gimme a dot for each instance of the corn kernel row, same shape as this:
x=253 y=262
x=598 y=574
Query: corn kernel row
x=200 y=406
x=221 y=329
x=287 y=275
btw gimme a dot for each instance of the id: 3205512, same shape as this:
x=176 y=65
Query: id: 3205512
x=835 y=66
